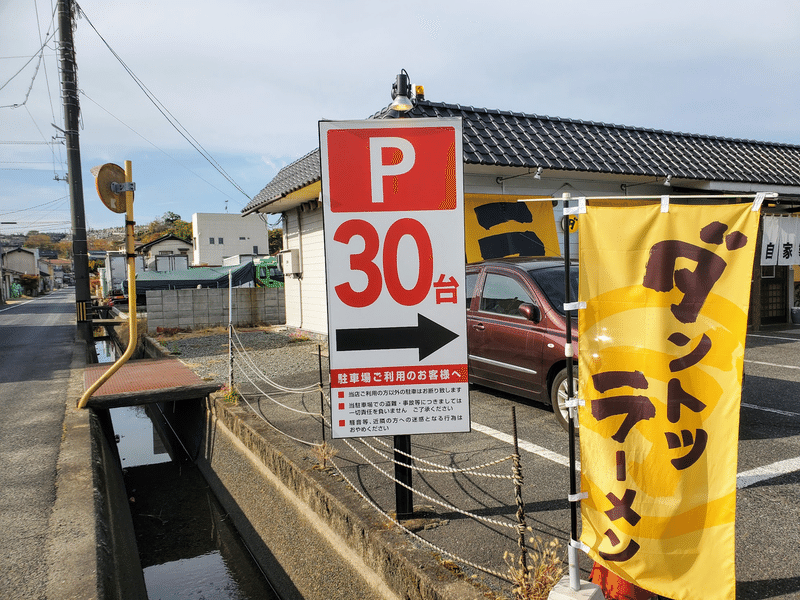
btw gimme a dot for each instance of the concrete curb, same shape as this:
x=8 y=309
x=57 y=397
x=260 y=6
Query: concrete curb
x=412 y=573
x=72 y=539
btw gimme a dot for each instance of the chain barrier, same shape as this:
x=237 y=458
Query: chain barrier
x=283 y=433
x=309 y=388
x=266 y=395
x=442 y=551
x=247 y=366
x=440 y=469
x=434 y=500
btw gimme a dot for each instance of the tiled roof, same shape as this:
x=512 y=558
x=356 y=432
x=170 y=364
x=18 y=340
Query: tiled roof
x=513 y=139
x=290 y=178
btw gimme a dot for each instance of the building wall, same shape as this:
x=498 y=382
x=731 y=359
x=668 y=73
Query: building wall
x=170 y=246
x=23 y=261
x=240 y=235
x=306 y=300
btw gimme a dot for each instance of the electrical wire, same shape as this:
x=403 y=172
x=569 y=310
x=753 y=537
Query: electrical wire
x=38 y=53
x=53 y=11
x=11 y=212
x=175 y=160
x=165 y=112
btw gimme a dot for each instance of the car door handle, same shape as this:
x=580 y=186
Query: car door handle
x=479 y=326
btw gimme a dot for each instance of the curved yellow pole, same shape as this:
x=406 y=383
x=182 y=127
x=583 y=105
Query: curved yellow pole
x=129 y=250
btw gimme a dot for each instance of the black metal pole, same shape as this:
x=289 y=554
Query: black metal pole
x=573 y=490
x=404 y=496
x=69 y=86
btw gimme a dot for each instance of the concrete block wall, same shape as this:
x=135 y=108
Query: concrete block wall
x=208 y=307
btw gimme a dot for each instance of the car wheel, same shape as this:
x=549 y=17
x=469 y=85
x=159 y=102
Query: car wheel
x=558 y=397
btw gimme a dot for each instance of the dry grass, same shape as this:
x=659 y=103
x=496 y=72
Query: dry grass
x=141 y=331
x=174 y=333
x=545 y=568
x=323 y=453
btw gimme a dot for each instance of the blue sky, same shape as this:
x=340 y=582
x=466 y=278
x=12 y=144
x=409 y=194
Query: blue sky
x=249 y=80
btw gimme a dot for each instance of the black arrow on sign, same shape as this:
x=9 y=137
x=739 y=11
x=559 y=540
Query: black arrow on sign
x=426 y=335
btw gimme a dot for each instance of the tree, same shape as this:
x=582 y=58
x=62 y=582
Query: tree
x=170 y=217
x=169 y=223
x=64 y=249
x=38 y=240
x=275 y=240
x=94 y=243
x=182 y=229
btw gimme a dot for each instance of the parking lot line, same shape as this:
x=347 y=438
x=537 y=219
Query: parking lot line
x=524 y=445
x=758 y=362
x=782 y=467
x=743 y=479
x=772 y=410
x=775 y=337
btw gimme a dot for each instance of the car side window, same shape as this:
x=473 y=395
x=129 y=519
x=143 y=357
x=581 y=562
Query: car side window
x=503 y=295
x=471 y=283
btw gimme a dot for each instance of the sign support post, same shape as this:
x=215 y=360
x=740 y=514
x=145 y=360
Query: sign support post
x=404 y=496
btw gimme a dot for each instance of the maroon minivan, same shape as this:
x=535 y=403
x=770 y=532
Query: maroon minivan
x=516 y=328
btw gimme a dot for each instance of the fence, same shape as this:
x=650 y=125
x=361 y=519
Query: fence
x=298 y=413
x=208 y=307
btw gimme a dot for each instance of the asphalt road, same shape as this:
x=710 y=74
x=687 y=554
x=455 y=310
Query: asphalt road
x=36 y=343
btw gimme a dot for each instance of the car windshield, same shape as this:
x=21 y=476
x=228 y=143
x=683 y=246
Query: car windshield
x=551 y=282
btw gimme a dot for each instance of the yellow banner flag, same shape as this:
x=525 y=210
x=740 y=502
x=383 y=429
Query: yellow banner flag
x=660 y=363
x=497 y=226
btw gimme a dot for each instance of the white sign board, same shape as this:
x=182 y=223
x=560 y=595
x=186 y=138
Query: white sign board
x=393 y=207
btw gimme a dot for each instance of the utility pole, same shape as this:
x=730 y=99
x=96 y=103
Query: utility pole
x=69 y=87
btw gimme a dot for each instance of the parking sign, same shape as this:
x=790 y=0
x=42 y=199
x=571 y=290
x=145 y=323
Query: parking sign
x=394 y=256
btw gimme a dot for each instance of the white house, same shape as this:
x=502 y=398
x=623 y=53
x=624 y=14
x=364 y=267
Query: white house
x=216 y=236
x=167 y=253
x=512 y=155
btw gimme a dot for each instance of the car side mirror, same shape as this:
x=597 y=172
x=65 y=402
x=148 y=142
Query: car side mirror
x=530 y=312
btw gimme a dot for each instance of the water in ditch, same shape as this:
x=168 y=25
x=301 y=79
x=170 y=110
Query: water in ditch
x=187 y=545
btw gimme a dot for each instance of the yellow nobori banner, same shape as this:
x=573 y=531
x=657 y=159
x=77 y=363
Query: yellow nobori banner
x=499 y=225
x=661 y=352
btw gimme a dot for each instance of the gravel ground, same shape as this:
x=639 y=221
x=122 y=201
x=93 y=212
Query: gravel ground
x=277 y=352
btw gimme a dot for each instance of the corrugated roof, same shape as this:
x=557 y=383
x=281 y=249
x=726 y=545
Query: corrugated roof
x=195 y=273
x=513 y=139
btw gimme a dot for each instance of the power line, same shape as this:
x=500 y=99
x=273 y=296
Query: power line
x=26 y=64
x=47 y=78
x=27 y=143
x=166 y=113
x=153 y=145
x=11 y=212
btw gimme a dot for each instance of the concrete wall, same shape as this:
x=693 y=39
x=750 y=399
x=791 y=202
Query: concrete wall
x=309 y=530
x=208 y=307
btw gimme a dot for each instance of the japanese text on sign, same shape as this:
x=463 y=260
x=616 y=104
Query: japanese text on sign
x=661 y=350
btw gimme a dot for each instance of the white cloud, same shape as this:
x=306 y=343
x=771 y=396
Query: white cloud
x=250 y=79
